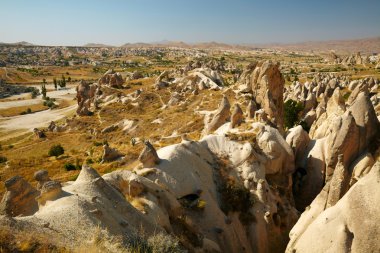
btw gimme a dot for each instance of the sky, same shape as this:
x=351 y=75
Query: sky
x=115 y=22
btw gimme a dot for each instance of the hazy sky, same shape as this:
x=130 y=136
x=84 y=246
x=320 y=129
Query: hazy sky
x=115 y=22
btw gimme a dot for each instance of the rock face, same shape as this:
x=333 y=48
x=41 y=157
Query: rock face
x=339 y=132
x=268 y=89
x=221 y=116
x=148 y=156
x=112 y=79
x=348 y=226
x=19 y=199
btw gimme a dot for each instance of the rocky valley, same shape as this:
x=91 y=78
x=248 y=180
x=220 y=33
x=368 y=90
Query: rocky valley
x=171 y=149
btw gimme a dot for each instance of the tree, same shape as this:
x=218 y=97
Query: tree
x=43 y=91
x=292 y=110
x=44 y=80
x=63 y=82
x=55 y=83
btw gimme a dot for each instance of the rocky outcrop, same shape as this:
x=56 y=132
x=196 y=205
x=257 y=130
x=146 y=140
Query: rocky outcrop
x=112 y=79
x=148 y=156
x=244 y=82
x=298 y=139
x=39 y=134
x=85 y=96
x=19 y=198
x=110 y=154
x=268 y=89
x=136 y=75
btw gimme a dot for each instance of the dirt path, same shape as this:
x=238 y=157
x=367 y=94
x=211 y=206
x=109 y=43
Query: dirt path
x=35 y=120
x=60 y=94
x=21 y=124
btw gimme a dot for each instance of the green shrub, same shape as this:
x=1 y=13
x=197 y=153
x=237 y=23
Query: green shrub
x=56 y=150
x=69 y=166
x=292 y=110
x=346 y=95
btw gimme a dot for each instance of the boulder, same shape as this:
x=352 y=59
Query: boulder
x=41 y=177
x=298 y=139
x=39 y=134
x=19 y=198
x=110 y=154
x=50 y=191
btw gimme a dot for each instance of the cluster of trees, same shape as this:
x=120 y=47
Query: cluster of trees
x=61 y=83
x=49 y=102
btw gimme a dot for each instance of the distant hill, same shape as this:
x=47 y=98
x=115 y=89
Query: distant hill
x=367 y=45
x=21 y=43
x=96 y=45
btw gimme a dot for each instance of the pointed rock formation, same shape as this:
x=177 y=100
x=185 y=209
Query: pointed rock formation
x=221 y=116
x=251 y=109
x=237 y=116
x=268 y=89
x=148 y=156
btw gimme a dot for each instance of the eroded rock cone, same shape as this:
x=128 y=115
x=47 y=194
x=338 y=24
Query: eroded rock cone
x=237 y=116
x=221 y=116
x=148 y=156
x=41 y=177
x=19 y=199
x=339 y=183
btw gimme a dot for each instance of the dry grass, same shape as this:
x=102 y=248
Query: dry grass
x=14 y=111
x=25 y=240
